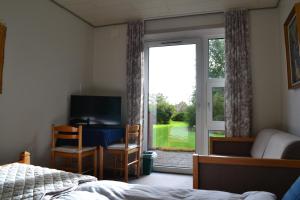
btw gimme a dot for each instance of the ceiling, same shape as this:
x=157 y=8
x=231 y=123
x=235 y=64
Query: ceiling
x=105 y=12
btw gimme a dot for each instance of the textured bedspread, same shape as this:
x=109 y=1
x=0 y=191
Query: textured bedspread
x=112 y=190
x=21 y=181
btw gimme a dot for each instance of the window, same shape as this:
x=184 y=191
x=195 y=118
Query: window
x=216 y=58
x=218 y=103
x=215 y=87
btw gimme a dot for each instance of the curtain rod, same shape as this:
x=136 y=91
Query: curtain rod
x=159 y=18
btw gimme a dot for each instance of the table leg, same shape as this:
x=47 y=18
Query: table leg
x=100 y=157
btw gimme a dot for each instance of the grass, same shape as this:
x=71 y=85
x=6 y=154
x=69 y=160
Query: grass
x=176 y=136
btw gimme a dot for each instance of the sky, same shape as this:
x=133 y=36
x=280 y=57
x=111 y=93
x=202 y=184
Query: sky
x=172 y=72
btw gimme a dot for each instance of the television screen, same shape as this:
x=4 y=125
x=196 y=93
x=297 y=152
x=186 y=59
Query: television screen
x=95 y=110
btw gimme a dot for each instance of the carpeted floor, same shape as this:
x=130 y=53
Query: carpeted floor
x=165 y=179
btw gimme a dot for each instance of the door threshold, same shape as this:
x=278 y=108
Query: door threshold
x=176 y=170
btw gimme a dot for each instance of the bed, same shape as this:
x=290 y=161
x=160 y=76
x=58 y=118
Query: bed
x=24 y=181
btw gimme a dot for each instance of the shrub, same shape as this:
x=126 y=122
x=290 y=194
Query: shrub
x=190 y=116
x=164 y=112
x=180 y=116
x=218 y=105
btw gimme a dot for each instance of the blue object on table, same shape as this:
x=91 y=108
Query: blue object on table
x=97 y=136
x=92 y=136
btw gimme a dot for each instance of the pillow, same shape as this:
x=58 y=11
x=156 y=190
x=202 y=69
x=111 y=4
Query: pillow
x=294 y=192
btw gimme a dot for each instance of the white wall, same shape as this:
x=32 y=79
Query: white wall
x=47 y=57
x=109 y=67
x=266 y=70
x=110 y=59
x=290 y=98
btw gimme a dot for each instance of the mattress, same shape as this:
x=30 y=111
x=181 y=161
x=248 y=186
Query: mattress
x=22 y=181
x=113 y=190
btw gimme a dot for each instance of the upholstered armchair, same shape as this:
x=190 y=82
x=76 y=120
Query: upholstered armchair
x=270 y=162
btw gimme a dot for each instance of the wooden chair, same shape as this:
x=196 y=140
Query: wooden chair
x=78 y=152
x=124 y=150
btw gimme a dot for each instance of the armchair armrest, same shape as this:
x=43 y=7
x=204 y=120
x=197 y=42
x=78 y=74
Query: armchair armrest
x=241 y=174
x=231 y=146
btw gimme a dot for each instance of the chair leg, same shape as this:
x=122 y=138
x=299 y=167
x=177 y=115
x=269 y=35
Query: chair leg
x=79 y=163
x=114 y=169
x=138 y=169
x=67 y=163
x=95 y=162
x=121 y=163
x=53 y=159
x=126 y=166
x=101 y=162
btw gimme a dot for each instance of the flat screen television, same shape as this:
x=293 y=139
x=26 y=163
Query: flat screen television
x=95 y=110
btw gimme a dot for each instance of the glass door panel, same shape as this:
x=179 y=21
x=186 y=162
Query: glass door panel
x=172 y=104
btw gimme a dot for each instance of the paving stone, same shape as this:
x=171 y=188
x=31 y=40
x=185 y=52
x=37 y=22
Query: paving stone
x=174 y=159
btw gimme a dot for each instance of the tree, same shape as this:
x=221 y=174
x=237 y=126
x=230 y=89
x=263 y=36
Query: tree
x=216 y=50
x=217 y=70
x=181 y=106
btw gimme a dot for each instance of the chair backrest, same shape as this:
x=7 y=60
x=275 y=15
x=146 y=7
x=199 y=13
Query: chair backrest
x=261 y=142
x=133 y=134
x=279 y=146
x=67 y=133
x=276 y=144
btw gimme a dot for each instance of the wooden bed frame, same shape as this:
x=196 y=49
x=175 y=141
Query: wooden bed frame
x=25 y=157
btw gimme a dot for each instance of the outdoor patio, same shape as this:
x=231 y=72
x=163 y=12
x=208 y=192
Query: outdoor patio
x=173 y=159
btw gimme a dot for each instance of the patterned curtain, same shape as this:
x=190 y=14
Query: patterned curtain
x=238 y=86
x=135 y=48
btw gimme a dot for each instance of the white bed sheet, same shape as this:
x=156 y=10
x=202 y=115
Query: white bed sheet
x=113 y=190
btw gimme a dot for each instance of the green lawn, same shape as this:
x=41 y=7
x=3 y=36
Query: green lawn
x=175 y=136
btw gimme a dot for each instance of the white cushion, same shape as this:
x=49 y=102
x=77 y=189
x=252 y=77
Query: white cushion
x=121 y=146
x=261 y=142
x=278 y=144
x=72 y=149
